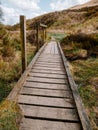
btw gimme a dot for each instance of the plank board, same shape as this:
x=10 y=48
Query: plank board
x=47 y=71
x=56 y=102
x=47 y=86
x=50 y=61
x=46 y=80
x=60 y=114
x=49 y=65
x=31 y=124
x=45 y=92
x=57 y=76
x=49 y=68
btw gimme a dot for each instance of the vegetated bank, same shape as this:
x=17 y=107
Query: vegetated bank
x=81 y=51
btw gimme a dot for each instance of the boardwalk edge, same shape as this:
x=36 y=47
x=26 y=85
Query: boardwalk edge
x=78 y=101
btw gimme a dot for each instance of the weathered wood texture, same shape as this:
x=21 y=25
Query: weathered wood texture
x=80 y=108
x=46 y=94
x=46 y=97
x=23 y=42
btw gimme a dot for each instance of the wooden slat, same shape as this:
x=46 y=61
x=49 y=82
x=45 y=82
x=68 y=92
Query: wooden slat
x=46 y=80
x=48 y=65
x=31 y=124
x=45 y=92
x=50 y=61
x=47 y=71
x=48 y=68
x=57 y=76
x=57 y=102
x=50 y=113
x=47 y=86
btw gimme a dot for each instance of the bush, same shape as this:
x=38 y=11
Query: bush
x=15 y=43
x=85 y=41
x=7 y=50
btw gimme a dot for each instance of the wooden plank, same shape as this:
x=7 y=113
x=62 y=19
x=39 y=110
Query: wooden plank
x=57 y=76
x=49 y=58
x=45 y=92
x=48 y=65
x=31 y=124
x=49 y=68
x=47 y=71
x=50 y=61
x=60 y=114
x=46 y=80
x=80 y=108
x=47 y=86
x=54 y=102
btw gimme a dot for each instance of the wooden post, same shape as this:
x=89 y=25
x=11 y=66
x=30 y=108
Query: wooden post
x=37 y=36
x=45 y=35
x=23 y=42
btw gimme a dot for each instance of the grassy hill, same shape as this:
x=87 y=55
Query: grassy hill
x=72 y=20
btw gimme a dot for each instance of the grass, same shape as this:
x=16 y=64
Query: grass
x=57 y=36
x=10 y=115
x=85 y=73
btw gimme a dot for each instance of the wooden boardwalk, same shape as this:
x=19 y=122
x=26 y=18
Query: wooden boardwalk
x=46 y=97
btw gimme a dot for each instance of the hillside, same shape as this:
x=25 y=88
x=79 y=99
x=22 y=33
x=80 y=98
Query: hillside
x=72 y=20
x=88 y=4
x=81 y=18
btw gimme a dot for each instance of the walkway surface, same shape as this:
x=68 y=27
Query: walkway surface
x=46 y=99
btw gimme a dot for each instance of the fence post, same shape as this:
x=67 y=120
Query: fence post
x=23 y=41
x=37 y=36
x=45 y=35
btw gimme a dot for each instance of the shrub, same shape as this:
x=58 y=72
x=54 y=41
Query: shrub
x=7 y=50
x=15 y=43
x=85 y=41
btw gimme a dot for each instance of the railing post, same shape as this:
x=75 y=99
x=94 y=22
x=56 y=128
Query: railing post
x=45 y=35
x=37 y=36
x=23 y=41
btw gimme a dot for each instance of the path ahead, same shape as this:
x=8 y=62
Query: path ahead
x=46 y=98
